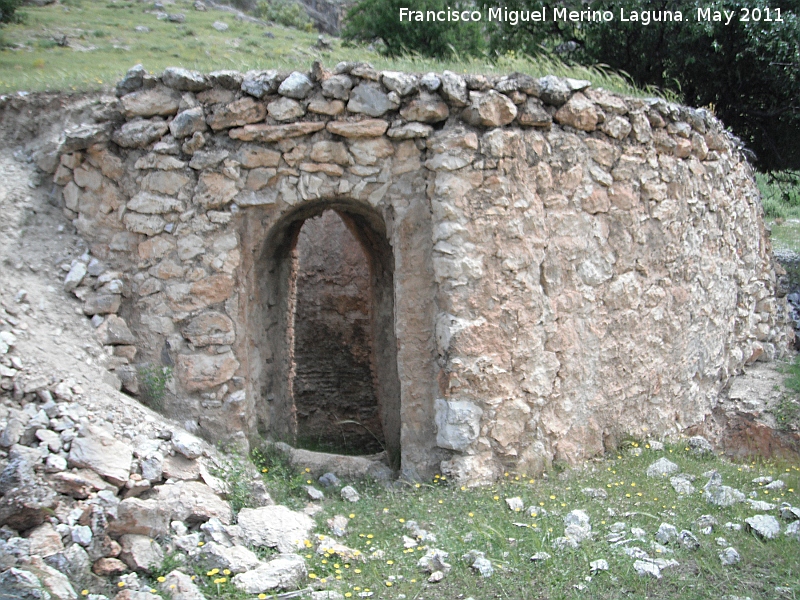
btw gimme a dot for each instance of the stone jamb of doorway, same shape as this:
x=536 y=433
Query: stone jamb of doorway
x=270 y=323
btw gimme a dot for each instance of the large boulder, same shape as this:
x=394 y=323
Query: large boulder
x=99 y=451
x=275 y=527
x=140 y=552
x=283 y=572
x=192 y=502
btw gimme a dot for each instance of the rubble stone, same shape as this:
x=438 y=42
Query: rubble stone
x=275 y=527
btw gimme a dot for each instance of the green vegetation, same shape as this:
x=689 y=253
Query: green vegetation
x=787 y=412
x=153 y=381
x=780 y=194
x=285 y=483
x=465 y=519
x=780 y=197
x=284 y=12
x=236 y=471
x=8 y=10
x=372 y=20
x=31 y=61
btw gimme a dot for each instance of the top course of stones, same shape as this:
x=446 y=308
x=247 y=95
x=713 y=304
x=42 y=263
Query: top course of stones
x=420 y=101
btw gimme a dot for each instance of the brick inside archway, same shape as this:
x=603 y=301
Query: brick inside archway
x=334 y=385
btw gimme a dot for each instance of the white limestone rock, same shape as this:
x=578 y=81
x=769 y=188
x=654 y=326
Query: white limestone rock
x=661 y=468
x=236 y=558
x=275 y=527
x=296 y=86
x=666 y=533
x=285 y=571
x=515 y=504
x=180 y=586
x=75 y=276
x=100 y=452
x=457 y=423
x=349 y=494
x=729 y=556
x=682 y=485
x=764 y=526
x=370 y=100
x=141 y=553
x=187 y=444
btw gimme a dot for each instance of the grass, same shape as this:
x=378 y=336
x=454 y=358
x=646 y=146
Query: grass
x=464 y=519
x=780 y=197
x=787 y=412
x=104 y=44
x=153 y=382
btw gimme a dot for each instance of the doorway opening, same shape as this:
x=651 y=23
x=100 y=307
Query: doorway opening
x=334 y=380
x=326 y=351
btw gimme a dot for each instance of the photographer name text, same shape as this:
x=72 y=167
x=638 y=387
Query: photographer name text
x=501 y=14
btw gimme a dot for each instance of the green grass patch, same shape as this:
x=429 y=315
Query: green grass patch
x=103 y=43
x=463 y=519
x=787 y=412
x=785 y=234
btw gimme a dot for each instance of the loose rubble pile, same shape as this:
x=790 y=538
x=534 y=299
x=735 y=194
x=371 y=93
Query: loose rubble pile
x=97 y=491
x=82 y=501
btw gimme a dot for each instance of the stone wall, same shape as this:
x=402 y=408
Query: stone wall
x=553 y=267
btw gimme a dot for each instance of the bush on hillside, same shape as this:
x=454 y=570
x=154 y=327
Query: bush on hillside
x=372 y=21
x=283 y=12
x=8 y=9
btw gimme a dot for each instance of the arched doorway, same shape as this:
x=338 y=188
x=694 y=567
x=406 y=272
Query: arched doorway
x=334 y=384
x=313 y=386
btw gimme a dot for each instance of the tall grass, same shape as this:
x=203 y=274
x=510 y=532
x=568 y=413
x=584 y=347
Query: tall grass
x=31 y=61
x=780 y=194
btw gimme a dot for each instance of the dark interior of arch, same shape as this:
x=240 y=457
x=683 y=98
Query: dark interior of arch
x=330 y=356
x=334 y=381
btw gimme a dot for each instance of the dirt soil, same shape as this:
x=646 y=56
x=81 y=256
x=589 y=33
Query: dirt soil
x=54 y=339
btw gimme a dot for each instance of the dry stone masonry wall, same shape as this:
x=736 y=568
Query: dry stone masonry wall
x=552 y=266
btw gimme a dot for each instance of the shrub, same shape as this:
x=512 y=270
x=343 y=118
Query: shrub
x=153 y=382
x=372 y=21
x=8 y=9
x=780 y=193
x=284 y=12
x=235 y=472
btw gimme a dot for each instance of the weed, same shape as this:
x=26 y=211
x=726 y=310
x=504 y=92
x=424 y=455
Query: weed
x=235 y=471
x=792 y=381
x=787 y=413
x=285 y=482
x=153 y=381
x=285 y=12
x=172 y=561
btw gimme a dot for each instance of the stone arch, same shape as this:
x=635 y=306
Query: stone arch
x=274 y=280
